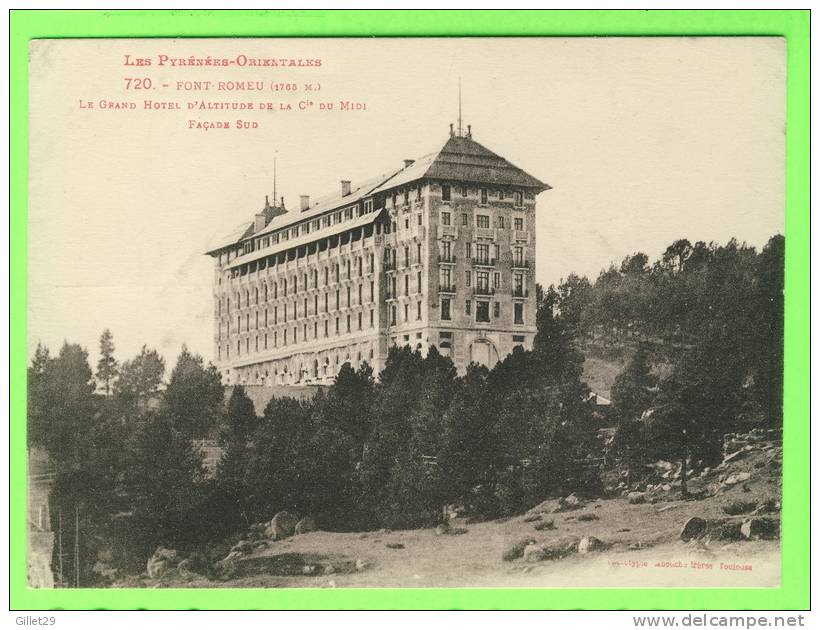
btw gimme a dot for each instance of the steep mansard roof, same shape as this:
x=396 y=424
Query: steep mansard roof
x=461 y=159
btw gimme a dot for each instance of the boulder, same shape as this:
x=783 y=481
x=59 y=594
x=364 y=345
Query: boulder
x=695 y=527
x=529 y=518
x=636 y=497
x=571 y=502
x=544 y=525
x=162 y=561
x=516 y=550
x=737 y=478
x=282 y=525
x=533 y=553
x=590 y=544
x=767 y=528
x=307 y=524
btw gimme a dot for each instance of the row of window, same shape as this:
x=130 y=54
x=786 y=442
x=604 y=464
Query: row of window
x=306 y=227
x=483 y=221
x=482 y=253
x=305 y=308
x=482 y=282
x=272 y=290
x=269 y=340
x=482 y=310
x=484 y=194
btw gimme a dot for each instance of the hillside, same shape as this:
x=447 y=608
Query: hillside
x=634 y=538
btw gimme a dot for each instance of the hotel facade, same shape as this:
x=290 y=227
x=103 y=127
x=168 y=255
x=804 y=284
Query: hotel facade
x=439 y=252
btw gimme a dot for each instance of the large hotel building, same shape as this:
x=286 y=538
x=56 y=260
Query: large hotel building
x=440 y=252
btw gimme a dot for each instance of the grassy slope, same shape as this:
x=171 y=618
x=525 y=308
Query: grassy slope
x=638 y=533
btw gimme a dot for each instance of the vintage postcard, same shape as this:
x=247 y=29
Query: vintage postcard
x=455 y=312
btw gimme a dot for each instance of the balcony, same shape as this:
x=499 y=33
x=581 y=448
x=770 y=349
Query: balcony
x=521 y=264
x=484 y=262
x=521 y=293
x=483 y=291
x=447 y=260
x=521 y=236
x=445 y=288
x=488 y=233
x=447 y=231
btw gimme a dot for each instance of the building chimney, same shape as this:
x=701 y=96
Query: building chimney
x=345 y=187
x=409 y=163
x=259 y=222
x=469 y=131
x=452 y=133
x=304 y=202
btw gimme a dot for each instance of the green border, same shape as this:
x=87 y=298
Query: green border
x=793 y=25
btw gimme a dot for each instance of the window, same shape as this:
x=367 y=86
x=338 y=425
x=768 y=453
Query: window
x=518 y=285
x=285 y=340
x=484 y=196
x=393 y=315
x=501 y=194
x=418 y=252
x=275 y=314
x=418 y=218
x=371 y=318
x=463 y=191
x=348 y=323
x=418 y=192
x=518 y=256
x=406 y=256
x=445 y=308
x=465 y=220
x=360 y=321
x=360 y=293
x=371 y=290
x=482 y=311
x=496 y=280
x=407 y=284
x=482 y=221
x=468 y=276
x=518 y=198
x=482 y=281
x=406 y=312
x=445 y=279
x=500 y=222
x=445 y=251
x=482 y=253
x=337 y=299
x=418 y=310
x=348 y=297
x=337 y=325
x=519 y=312
x=445 y=192
x=518 y=222
x=418 y=282
x=406 y=197
x=407 y=224
x=326 y=334
x=468 y=250
x=496 y=310
x=445 y=218
x=468 y=307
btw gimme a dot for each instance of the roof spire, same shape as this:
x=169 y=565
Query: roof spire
x=459 y=106
x=274 y=177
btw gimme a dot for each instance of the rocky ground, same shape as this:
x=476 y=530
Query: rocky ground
x=725 y=534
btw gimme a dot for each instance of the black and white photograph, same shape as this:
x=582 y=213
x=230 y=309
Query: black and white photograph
x=414 y=313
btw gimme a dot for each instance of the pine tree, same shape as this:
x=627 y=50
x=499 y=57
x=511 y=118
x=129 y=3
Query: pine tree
x=107 y=368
